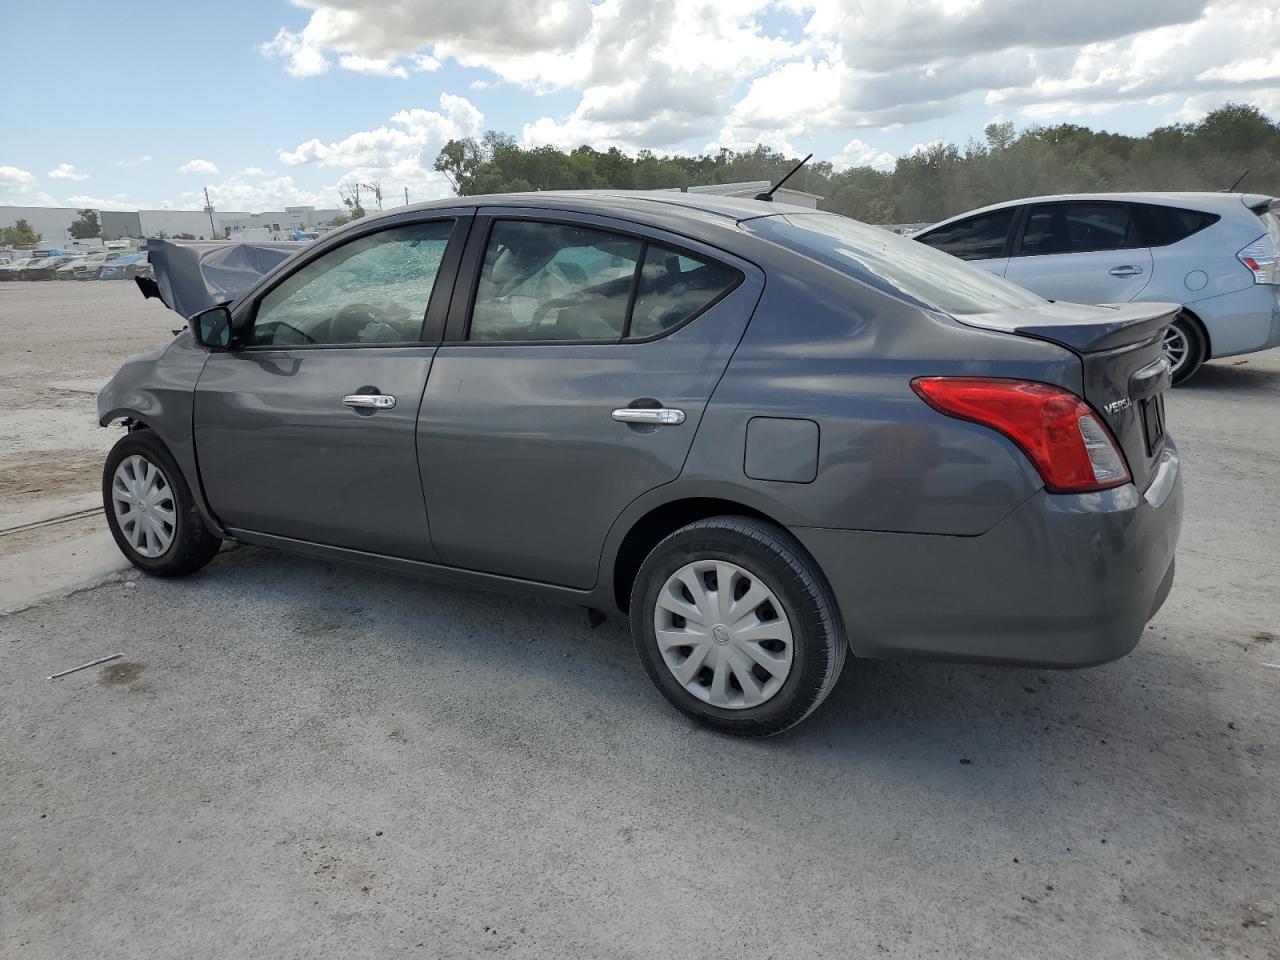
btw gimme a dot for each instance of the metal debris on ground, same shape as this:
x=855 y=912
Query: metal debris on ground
x=86 y=666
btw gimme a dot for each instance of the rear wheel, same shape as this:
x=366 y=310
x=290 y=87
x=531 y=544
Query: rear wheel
x=1184 y=347
x=736 y=626
x=150 y=510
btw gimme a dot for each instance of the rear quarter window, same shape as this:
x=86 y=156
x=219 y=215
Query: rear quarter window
x=892 y=264
x=1161 y=226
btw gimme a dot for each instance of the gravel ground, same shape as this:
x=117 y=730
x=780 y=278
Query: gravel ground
x=296 y=759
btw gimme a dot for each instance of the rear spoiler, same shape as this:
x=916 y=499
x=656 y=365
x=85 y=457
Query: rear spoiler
x=191 y=277
x=1260 y=204
x=1082 y=328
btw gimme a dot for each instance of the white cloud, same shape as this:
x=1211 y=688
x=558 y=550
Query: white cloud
x=374 y=66
x=198 y=166
x=18 y=187
x=859 y=154
x=66 y=171
x=303 y=59
x=135 y=161
x=399 y=155
x=120 y=201
x=253 y=172
x=415 y=133
x=13 y=177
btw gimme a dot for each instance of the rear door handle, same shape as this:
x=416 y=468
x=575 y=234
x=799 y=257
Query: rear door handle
x=369 y=401
x=655 y=416
x=1128 y=270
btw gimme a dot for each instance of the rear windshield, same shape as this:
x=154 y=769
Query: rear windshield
x=892 y=264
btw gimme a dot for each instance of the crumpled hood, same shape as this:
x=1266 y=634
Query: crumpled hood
x=191 y=277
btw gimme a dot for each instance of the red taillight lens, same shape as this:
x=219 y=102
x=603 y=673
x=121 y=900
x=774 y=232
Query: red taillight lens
x=1073 y=450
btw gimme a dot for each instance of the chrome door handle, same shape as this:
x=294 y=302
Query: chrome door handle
x=656 y=416
x=369 y=401
x=1128 y=270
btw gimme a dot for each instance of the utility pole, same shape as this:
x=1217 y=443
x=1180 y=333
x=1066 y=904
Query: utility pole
x=208 y=208
x=406 y=196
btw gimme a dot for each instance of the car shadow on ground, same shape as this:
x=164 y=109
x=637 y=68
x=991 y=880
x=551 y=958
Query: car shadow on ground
x=936 y=721
x=1238 y=375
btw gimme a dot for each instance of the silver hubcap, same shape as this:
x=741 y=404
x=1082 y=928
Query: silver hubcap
x=1176 y=348
x=144 y=505
x=723 y=634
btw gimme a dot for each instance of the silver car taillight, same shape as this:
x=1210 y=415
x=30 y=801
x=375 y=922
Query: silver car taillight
x=1260 y=258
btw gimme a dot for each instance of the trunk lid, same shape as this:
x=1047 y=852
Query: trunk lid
x=1125 y=373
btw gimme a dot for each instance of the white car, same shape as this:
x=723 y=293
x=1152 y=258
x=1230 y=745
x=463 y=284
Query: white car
x=1215 y=253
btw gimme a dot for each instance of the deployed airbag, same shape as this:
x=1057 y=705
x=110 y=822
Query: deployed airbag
x=191 y=277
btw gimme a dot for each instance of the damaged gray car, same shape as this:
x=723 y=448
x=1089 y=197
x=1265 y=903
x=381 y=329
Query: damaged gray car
x=769 y=437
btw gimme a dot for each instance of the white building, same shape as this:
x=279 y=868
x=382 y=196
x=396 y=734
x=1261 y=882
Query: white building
x=171 y=223
x=281 y=223
x=52 y=223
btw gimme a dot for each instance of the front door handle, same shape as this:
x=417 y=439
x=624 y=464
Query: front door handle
x=369 y=401
x=1128 y=270
x=654 y=416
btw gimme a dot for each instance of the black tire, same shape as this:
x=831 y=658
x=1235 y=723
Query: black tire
x=1196 y=348
x=777 y=559
x=193 y=544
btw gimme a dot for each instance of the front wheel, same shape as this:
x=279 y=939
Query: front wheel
x=1184 y=348
x=736 y=626
x=151 y=511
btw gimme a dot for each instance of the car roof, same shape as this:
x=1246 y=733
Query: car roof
x=692 y=206
x=1223 y=203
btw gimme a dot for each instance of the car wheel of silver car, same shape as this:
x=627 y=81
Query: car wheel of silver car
x=736 y=626
x=150 y=510
x=1184 y=348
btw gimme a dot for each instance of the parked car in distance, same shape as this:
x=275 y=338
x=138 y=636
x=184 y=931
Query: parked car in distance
x=13 y=270
x=44 y=268
x=122 y=268
x=766 y=435
x=75 y=268
x=1214 y=253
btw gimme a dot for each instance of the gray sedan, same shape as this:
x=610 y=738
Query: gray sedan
x=768 y=436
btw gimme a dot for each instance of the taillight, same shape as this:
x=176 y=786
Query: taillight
x=1073 y=450
x=1260 y=258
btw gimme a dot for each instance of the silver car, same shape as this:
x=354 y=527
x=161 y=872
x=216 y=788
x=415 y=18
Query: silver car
x=1214 y=253
x=769 y=437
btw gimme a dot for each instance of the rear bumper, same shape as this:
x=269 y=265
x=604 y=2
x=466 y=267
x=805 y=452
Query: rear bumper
x=1063 y=581
x=1244 y=321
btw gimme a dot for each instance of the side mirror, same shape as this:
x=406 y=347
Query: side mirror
x=212 y=328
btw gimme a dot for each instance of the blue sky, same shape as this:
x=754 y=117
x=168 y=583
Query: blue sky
x=272 y=102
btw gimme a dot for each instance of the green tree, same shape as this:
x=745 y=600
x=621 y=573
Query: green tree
x=86 y=225
x=21 y=234
x=936 y=181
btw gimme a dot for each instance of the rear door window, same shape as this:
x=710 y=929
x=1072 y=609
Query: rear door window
x=977 y=238
x=1161 y=226
x=1078 y=227
x=553 y=281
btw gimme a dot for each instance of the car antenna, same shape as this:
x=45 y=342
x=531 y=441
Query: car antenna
x=768 y=194
x=1232 y=188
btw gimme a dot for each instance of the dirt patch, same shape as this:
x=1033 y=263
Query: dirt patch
x=23 y=540
x=122 y=674
x=50 y=474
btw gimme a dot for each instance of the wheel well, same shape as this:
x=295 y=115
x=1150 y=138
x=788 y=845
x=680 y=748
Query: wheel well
x=1203 y=331
x=655 y=525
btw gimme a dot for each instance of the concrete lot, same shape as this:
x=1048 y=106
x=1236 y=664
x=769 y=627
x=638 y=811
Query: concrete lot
x=301 y=760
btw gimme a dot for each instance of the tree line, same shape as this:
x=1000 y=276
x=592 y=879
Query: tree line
x=934 y=182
